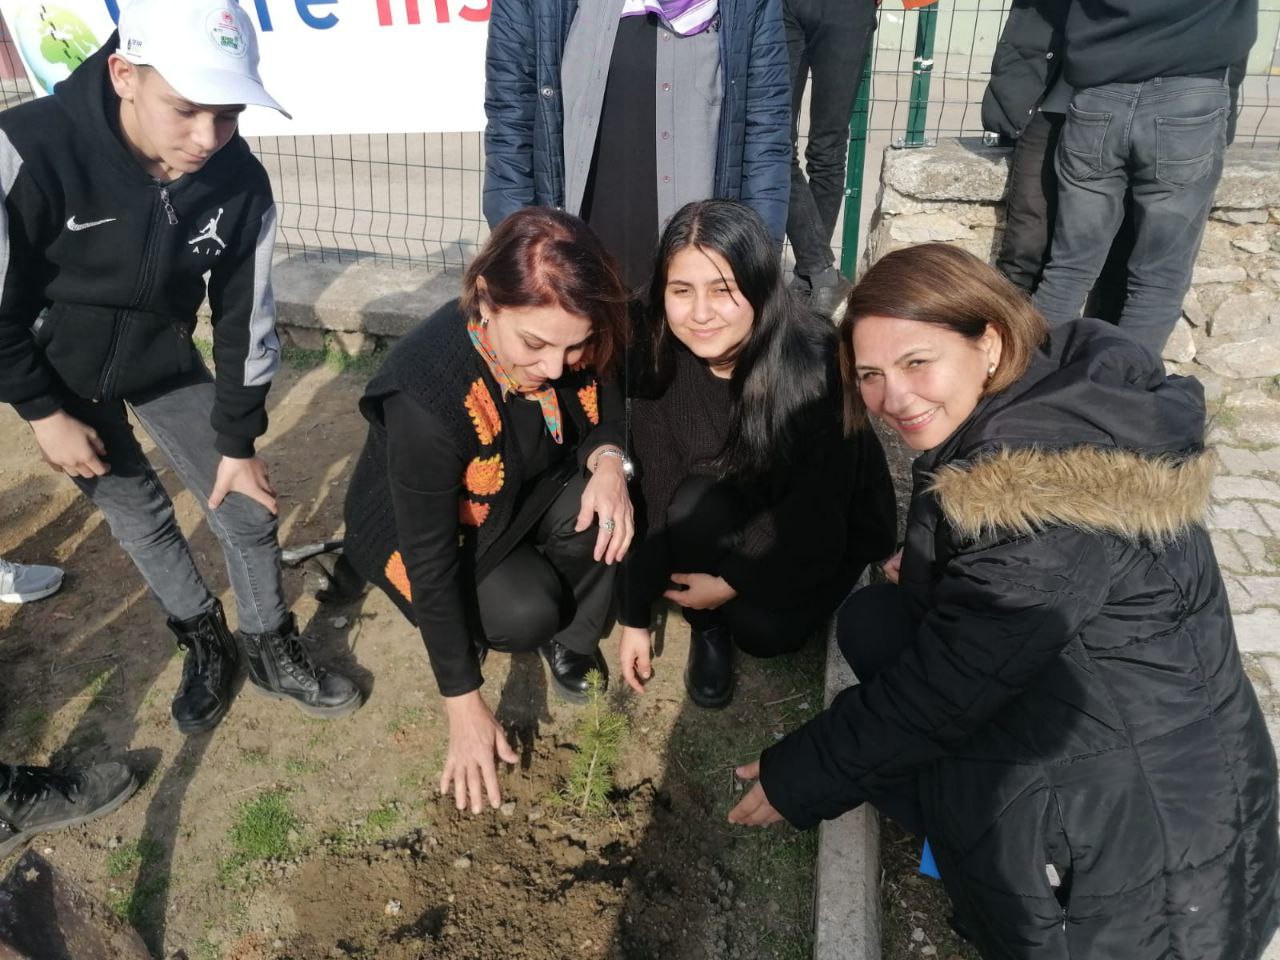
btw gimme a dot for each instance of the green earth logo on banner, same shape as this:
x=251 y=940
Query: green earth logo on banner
x=53 y=41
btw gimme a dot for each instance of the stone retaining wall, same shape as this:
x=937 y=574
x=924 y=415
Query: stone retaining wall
x=1230 y=328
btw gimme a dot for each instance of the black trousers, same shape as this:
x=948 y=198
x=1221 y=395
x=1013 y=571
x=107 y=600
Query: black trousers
x=830 y=39
x=701 y=523
x=873 y=627
x=1030 y=209
x=549 y=587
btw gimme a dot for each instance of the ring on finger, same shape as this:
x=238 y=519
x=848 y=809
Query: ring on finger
x=609 y=524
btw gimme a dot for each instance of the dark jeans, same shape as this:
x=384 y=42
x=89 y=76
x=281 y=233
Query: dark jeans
x=829 y=38
x=873 y=627
x=549 y=587
x=1163 y=141
x=141 y=516
x=1030 y=209
x=700 y=522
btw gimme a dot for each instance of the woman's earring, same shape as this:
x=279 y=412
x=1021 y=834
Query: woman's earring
x=991 y=371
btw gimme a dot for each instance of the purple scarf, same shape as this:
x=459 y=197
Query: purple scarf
x=682 y=17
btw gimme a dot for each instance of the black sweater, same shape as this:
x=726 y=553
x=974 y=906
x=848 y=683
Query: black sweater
x=108 y=265
x=832 y=509
x=443 y=487
x=1132 y=41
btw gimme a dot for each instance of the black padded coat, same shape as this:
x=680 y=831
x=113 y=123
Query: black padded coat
x=1073 y=696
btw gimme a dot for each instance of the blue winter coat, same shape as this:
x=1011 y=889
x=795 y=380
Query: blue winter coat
x=524 y=138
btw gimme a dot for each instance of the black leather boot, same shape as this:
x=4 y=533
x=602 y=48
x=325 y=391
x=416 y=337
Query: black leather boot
x=279 y=667
x=37 y=799
x=709 y=674
x=569 y=670
x=207 y=672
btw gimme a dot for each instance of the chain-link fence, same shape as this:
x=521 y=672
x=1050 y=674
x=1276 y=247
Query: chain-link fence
x=416 y=198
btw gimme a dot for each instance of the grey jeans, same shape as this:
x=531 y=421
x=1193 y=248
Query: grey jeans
x=141 y=514
x=1164 y=140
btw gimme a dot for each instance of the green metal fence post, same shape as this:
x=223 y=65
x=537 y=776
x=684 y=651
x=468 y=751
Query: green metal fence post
x=857 y=162
x=921 y=70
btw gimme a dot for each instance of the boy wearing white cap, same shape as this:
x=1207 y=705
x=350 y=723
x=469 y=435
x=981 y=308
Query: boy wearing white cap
x=121 y=193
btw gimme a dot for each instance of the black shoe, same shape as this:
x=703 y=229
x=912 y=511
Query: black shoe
x=826 y=299
x=709 y=675
x=38 y=800
x=207 y=672
x=279 y=667
x=569 y=670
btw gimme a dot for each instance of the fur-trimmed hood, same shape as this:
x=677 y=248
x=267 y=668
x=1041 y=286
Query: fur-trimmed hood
x=1095 y=489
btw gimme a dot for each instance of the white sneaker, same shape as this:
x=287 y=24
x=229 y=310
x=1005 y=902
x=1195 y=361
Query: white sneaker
x=22 y=582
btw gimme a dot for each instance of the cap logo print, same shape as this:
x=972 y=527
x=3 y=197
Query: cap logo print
x=225 y=34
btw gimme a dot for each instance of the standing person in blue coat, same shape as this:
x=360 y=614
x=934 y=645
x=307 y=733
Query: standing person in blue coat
x=623 y=111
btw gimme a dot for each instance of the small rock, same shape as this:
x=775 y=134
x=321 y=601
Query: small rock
x=534 y=814
x=1192 y=310
x=462 y=863
x=292 y=836
x=339 y=622
x=1251 y=244
x=392 y=909
x=277 y=944
x=508 y=809
x=1224 y=273
x=1234 y=215
x=113 y=843
x=928 y=950
x=1180 y=347
x=47 y=851
x=917 y=935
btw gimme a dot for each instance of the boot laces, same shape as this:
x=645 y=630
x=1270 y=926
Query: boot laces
x=27 y=784
x=296 y=659
x=200 y=655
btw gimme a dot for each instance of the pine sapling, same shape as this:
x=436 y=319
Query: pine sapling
x=600 y=734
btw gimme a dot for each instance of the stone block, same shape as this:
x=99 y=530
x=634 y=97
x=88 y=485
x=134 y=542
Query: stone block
x=1254 y=243
x=1181 y=346
x=1258 y=632
x=895 y=204
x=1228 y=554
x=1243 y=314
x=1218 y=273
x=1250 y=178
x=1257 y=552
x=1272 y=277
x=1263 y=591
x=1269 y=458
x=952 y=170
x=304 y=338
x=1270 y=514
x=1246 y=488
x=1254 y=417
x=1239 y=461
x=1233 y=215
x=353 y=342
x=1239 y=598
x=1236 y=515
x=1256 y=357
x=926 y=227
x=1193 y=311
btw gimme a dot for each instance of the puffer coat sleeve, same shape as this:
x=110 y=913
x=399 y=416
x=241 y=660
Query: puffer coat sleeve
x=1003 y=609
x=766 y=157
x=510 y=104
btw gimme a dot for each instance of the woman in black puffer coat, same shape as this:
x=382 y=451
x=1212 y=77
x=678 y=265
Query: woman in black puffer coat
x=1052 y=692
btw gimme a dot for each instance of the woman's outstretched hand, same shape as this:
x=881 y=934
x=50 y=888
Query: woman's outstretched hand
x=474 y=737
x=700 y=591
x=606 y=497
x=753 y=810
x=633 y=652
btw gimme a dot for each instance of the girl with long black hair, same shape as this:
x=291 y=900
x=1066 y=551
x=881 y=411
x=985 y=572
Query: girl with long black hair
x=759 y=512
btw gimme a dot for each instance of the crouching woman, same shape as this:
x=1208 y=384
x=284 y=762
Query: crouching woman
x=489 y=502
x=1052 y=690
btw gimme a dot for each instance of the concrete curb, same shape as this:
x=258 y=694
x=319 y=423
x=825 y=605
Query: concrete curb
x=847 y=892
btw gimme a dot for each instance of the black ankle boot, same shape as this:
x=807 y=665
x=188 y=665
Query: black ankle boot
x=37 y=799
x=279 y=667
x=569 y=670
x=207 y=672
x=709 y=674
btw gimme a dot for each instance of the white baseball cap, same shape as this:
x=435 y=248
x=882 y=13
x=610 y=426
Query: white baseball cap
x=207 y=50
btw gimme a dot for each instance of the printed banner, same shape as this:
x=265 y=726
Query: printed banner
x=339 y=66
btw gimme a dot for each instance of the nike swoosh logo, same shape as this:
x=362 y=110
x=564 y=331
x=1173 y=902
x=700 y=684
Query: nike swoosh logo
x=72 y=225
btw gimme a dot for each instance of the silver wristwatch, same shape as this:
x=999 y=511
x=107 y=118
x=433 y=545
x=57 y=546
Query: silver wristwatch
x=628 y=467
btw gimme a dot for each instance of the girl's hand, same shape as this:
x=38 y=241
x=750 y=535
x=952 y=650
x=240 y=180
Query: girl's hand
x=606 y=497
x=71 y=446
x=892 y=567
x=474 y=737
x=702 y=591
x=634 y=652
x=753 y=810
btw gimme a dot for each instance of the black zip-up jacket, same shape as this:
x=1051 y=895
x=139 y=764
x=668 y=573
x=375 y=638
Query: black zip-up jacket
x=102 y=267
